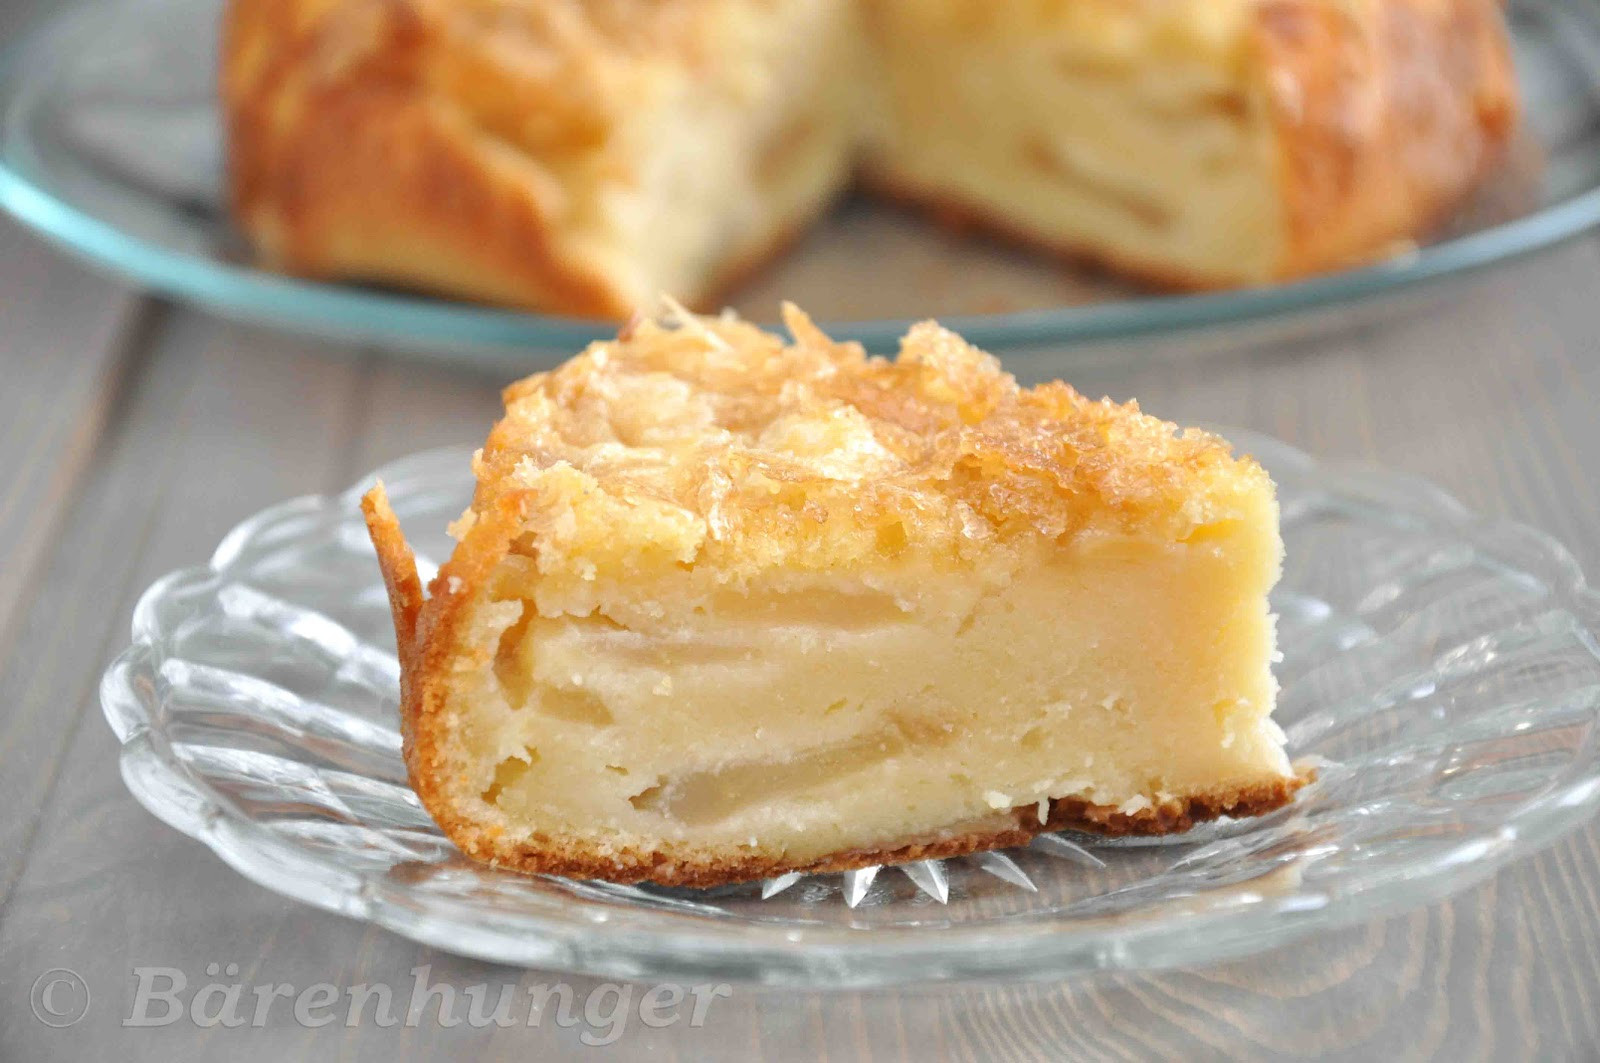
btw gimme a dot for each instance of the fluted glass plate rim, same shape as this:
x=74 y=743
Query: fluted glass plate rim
x=596 y=937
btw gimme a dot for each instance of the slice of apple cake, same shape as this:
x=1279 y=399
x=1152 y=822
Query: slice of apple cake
x=725 y=606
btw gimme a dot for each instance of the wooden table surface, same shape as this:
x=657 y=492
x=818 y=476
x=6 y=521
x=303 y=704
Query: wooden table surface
x=133 y=434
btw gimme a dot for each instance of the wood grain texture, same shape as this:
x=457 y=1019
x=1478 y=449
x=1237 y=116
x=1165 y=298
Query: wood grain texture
x=1491 y=393
x=17 y=15
x=63 y=333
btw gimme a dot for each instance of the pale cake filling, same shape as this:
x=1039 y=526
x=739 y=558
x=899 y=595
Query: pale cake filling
x=1134 y=137
x=1122 y=672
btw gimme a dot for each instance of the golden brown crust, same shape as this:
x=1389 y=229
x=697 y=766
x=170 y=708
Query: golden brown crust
x=399 y=566
x=645 y=454
x=342 y=164
x=388 y=140
x=1387 y=113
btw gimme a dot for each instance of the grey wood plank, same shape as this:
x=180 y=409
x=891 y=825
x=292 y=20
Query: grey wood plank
x=59 y=369
x=409 y=408
x=16 y=16
x=195 y=445
x=62 y=363
x=1493 y=398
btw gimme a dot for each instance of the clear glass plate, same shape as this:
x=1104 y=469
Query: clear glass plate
x=110 y=144
x=1442 y=668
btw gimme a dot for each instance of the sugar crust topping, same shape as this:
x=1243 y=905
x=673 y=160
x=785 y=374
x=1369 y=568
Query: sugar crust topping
x=692 y=440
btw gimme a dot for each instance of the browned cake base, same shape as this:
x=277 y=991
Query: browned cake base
x=1066 y=814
